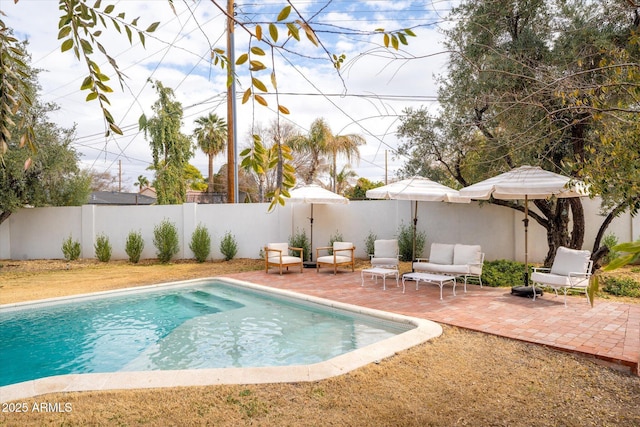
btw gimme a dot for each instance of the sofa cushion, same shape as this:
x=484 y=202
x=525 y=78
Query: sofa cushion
x=467 y=254
x=441 y=253
x=570 y=261
x=430 y=267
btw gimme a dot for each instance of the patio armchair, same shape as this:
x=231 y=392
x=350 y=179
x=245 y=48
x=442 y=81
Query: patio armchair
x=571 y=269
x=343 y=254
x=386 y=253
x=277 y=255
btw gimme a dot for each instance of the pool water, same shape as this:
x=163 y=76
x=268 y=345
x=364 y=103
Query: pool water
x=209 y=325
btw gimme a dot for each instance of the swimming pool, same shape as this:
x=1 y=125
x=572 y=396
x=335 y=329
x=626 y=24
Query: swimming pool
x=203 y=326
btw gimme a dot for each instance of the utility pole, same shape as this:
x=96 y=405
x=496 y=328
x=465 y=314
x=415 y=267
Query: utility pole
x=232 y=166
x=119 y=175
x=386 y=166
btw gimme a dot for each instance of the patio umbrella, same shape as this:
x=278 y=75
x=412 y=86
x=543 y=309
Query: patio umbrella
x=525 y=182
x=417 y=189
x=314 y=194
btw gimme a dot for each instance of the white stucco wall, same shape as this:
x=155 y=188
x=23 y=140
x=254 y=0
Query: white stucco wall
x=38 y=233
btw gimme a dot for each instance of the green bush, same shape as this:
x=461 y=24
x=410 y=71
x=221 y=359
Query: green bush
x=71 y=249
x=200 y=243
x=134 y=246
x=369 y=243
x=610 y=240
x=300 y=240
x=502 y=273
x=405 y=242
x=102 y=248
x=166 y=241
x=621 y=286
x=228 y=246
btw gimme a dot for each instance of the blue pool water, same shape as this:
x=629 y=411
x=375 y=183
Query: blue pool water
x=210 y=325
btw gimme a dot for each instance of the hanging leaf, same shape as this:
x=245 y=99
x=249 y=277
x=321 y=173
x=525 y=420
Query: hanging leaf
x=259 y=32
x=257 y=51
x=284 y=13
x=283 y=109
x=273 y=32
x=246 y=96
x=261 y=100
x=258 y=84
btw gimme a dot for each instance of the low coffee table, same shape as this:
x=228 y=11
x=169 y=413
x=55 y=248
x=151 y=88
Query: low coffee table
x=380 y=272
x=439 y=279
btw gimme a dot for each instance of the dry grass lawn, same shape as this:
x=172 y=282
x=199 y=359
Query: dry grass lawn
x=461 y=378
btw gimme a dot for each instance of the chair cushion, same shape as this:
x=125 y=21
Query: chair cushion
x=384 y=261
x=559 y=281
x=385 y=249
x=467 y=254
x=441 y=253
x=570 y=261
x=328 y=259
x=284 y=247
x=286 y=259
x=342 y=245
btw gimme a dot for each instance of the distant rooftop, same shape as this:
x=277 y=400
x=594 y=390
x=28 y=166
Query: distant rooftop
x=116 y=198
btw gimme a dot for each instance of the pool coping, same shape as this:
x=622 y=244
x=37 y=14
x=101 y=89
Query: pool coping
x=424 y=331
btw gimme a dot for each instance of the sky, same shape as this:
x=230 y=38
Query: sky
x=367 y=97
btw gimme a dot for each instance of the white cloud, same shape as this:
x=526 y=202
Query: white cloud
x=177 y=55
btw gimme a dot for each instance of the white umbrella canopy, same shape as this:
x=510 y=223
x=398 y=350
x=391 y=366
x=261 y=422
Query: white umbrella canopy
x=530 y=182
x=417 y=189
x=526 y=182
x=314 y=194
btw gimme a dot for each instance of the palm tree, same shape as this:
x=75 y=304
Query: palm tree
x=211 y=137
x=321 y=142
x=142 y=182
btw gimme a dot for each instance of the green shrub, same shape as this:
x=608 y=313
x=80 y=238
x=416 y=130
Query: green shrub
x=228 y=246
x=337 y=237
x=102 y=248
x=369 y=243
x=300 y=240
x=610 y=240
x=200 y=243
x=405 y=242
x=71 y=249
x=166 y=241
x=134 y=246
x=502 y=273
x=621 y=286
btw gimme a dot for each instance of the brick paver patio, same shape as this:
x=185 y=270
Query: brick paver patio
x=609 y=331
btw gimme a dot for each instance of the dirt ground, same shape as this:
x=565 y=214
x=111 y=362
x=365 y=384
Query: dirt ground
x=461 y=378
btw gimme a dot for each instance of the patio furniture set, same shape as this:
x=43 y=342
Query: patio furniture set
x=571 y=268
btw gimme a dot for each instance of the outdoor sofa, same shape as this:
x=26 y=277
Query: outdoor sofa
x=453 y=259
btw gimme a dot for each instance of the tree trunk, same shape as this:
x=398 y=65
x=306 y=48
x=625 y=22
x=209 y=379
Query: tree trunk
x=4 y=215
x=210 y=187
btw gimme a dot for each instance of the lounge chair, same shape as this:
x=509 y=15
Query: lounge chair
x=571 y=269
x=343 y=254
x=385 y=254
x=277 y=255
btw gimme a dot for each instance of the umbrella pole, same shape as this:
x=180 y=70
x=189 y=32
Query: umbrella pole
x=526 y=240
x=311 y=236
x=415 y=227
